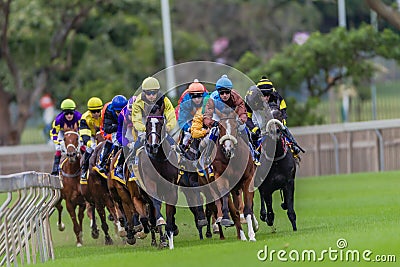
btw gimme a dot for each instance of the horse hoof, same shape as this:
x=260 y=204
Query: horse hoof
x=215 y=228
x=160 y=221
x=108 y=241
x=227 y=222
x=263 y=217
x=208 y=234
x=154 y=243
x=140 y=235
x=122 y=233
x=252 y=239
x=61 y=227
x=284 y=206
x=202 y=222
x=176 y=231
x=138 y=228
x=163 y=245
x=95 y=233
x=131 y=241
x=79 y=244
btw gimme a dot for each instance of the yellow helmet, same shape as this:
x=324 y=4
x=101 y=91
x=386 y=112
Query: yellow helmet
x=150 y=83
x=68 y=104
x=94 y=103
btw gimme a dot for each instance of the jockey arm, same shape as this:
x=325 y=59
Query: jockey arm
x=137 y=122
x=54 y=132
x=197 y=130
x=208 y=113
x=169 y=113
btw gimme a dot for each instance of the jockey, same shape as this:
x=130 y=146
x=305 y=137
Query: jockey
x=191 y=103
x=124 y=136
x=110 y=124
x=221 y=98
x=89 y=125
x=150 y=96
x=270 y=95
x=67 y=119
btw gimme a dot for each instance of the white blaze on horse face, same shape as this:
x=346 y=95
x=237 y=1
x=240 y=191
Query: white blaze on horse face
x=228 y=142
x=153 y=122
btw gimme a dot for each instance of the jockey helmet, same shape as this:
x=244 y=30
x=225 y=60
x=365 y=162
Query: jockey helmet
x=265 y=86
x=68 y=104
x=224 y=83
x=150 y=83
x=94 y=103
x=196 y=87
x=119 y=102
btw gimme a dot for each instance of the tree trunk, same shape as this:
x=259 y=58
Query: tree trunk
x=7 y=131
x=386 y=12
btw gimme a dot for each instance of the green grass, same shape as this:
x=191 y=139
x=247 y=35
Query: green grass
x=362 y=208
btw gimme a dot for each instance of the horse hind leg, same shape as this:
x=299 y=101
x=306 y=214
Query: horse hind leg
x=101 y=211
x=270 y=212
x=289 y=200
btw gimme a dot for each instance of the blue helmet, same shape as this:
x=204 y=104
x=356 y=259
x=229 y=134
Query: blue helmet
x=223 y=82
x=119 y=102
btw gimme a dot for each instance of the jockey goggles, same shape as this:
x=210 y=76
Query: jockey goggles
x=96 y=111
x=196 y=95
x=68 y=112
x=150 y=92
x=224 y=92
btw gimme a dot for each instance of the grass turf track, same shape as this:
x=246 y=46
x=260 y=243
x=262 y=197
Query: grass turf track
x=362 y=208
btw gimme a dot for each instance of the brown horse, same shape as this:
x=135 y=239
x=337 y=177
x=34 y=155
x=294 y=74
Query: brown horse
x=97 y=194
x=158 y=171
x=234 y=169
x=70 y=172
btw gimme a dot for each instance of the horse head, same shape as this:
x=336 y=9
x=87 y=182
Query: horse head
x=71 y=142
x=155 y=131
x=275 y=125
x=228 y=131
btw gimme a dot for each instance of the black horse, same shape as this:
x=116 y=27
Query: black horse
x=277 y=154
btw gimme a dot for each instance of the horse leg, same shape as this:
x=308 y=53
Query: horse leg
x=208 y=216
x=263 y=212
x=171 y=228
x=234 y=212
x=288 y=193
x=93 y=224
x=101 y=211
x=270 y=212
x=71 y=211
x=226 y=221
x=81 y=214
x=248 y=210
x=60 y=224
x=129 y=210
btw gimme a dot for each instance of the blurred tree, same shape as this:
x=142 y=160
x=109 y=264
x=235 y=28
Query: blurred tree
x=36 y=41
x=386 y=11
x=326 y=59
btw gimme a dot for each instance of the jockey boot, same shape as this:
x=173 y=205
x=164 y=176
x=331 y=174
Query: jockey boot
x=296 y=151
x=56 y=164
x=85 y=166
x=104 y=156
x=257 y=158
x=119 y=169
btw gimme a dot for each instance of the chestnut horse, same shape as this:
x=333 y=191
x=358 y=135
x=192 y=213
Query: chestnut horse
x=70 y=173
x=234 y=169
x=97 y=194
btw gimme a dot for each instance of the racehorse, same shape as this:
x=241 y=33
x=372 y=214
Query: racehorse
x=70 y=172
x=234 y=168
x=282 y=173
x=97 y=194
x=190 y=177
x=157 y=169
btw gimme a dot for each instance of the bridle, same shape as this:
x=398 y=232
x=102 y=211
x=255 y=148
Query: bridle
x=75 y=153
x=226 y=149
